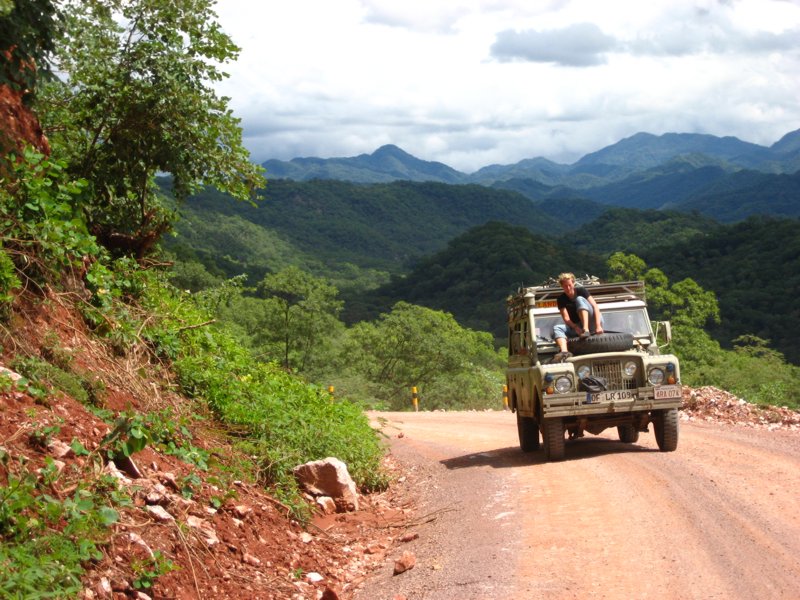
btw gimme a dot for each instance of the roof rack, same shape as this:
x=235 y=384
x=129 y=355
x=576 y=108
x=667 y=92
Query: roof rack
x=546 y=295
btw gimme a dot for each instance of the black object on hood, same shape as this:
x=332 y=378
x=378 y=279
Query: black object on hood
x=593 y=384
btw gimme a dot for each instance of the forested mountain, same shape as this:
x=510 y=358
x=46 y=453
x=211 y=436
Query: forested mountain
x=638 y=231
x=387 y=163
x=753 y=267
x=422 y=233
x=639 y=152
x=746 y=193
x=377 y=226
x=722 y=177
x=475 y=273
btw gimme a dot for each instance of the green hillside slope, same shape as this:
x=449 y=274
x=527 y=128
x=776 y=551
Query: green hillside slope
x=475 y=273
x=637 y=231
x=380 y=226
x=753 y=266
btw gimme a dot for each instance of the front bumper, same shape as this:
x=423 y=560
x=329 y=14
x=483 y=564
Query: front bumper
x=612 y=401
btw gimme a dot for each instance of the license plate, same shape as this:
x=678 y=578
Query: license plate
x=611 y=396
x=664 y=392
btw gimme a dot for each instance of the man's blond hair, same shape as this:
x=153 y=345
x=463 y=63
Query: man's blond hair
x=565 y=276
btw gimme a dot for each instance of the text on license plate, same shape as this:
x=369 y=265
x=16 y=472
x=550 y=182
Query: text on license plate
x=613 y=396
x=667 y=391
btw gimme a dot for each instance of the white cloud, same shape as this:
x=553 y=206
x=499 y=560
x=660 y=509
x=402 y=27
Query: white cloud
x=474 y=82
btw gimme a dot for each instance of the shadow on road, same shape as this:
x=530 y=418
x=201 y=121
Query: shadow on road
x=512 y=456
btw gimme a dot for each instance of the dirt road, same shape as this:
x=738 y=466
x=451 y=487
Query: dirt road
x=718 y=518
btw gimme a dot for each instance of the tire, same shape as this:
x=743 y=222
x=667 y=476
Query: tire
x=665 y=425
x=602 y=342
x=528 y=430
x=553 y=436
x=627 y=434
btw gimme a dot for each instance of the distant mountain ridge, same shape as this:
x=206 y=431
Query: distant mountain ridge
x=639 y=152
x=388 y=163
x=723 y=177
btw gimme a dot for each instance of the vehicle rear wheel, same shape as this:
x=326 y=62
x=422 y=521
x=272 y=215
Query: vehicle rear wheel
x=528 y=430
x=628 y=434
x=553 y=436
x=665 y=424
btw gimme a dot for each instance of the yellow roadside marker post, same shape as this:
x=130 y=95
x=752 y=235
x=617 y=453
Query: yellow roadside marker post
x=505 y=396
x=415 y=398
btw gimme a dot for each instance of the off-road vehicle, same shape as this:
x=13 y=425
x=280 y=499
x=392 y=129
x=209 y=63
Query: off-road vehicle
x=615 y=379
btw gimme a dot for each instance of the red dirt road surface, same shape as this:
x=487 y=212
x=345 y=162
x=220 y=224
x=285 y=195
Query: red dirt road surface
x=718 y=518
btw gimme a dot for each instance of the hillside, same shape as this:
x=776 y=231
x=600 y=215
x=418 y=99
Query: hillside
x=720 y=176
x=746 y=193
x=638 y=231
x=472 y=277
x=752 y=266
x=379 y=226
x=184 y=515
x=387 y=163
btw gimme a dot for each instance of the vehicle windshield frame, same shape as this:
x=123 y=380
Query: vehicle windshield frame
x=625 y=319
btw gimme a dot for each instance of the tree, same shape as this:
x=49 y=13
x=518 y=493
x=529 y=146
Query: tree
x=27 y=31
x=136 y=101
x=416 y=346
x=684 y=302
x=301 y=314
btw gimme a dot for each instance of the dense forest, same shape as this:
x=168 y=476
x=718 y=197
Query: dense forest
x=421 y=248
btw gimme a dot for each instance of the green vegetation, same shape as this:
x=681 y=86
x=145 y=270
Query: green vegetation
x=48 y=536
x=136 y=98
x=79 y=230
x=752 y=370
x=752 y=268
x=475 y=273
x=378 y=226
x=638 y=231
x=293 y=320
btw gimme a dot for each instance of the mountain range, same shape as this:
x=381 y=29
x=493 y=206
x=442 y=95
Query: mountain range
x=722 y=177
x=640 y=152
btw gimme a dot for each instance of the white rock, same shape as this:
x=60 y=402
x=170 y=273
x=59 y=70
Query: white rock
x=329 y=477
x=160 y=513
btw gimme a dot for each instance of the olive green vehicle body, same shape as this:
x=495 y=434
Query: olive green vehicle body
x=544 y=389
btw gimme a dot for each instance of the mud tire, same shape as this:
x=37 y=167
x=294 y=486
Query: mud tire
x=528 y=430
x=665 y=424
x=553 y=437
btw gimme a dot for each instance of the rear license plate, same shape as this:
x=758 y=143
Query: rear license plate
x=665 y=392
x=611 y=396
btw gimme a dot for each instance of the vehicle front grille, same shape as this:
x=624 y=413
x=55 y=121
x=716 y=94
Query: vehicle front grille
x=611 y=371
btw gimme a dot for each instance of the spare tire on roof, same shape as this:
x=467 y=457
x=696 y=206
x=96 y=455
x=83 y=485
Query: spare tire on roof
x=602 y=342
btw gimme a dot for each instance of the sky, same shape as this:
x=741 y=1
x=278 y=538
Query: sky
x=471 y=83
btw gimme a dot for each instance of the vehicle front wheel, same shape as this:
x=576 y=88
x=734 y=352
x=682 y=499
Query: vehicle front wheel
x=528 y=430
x=665 y=424
x=553 y=436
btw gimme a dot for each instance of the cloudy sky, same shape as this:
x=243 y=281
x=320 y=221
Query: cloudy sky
x=476 y=82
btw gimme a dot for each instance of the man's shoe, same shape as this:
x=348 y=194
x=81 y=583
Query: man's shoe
x=584 y=335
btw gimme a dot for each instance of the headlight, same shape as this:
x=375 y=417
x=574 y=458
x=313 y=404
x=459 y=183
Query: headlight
x=563 y=384
x=584 y=371
x=656 y=376
x=629 y=368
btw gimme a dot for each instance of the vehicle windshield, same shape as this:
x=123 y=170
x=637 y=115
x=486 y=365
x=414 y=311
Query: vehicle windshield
x=632 y=321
